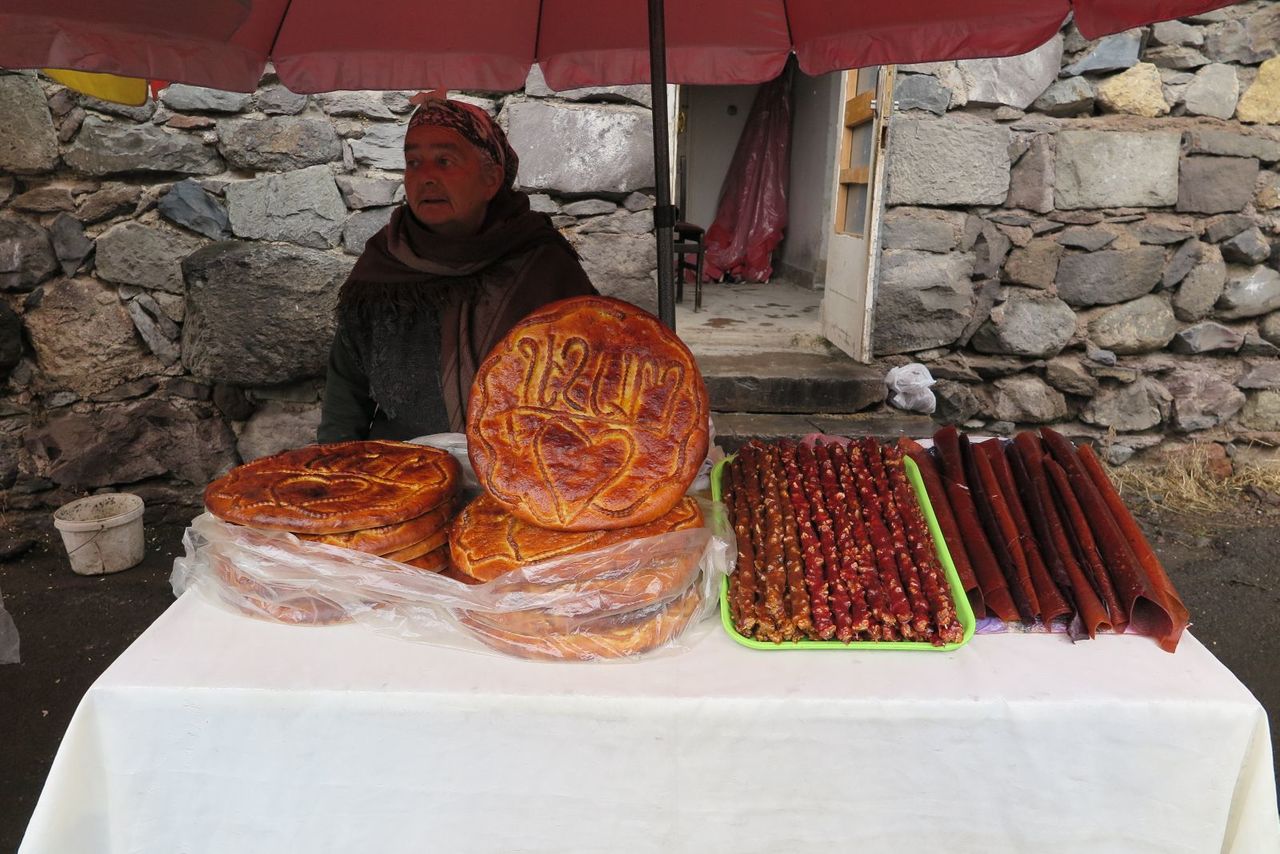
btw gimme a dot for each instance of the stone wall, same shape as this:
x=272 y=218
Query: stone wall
x=1089 y=234
x=168 y=272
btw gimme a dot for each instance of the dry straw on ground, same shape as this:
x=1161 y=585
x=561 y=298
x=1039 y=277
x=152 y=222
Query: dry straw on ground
x=1186 y=482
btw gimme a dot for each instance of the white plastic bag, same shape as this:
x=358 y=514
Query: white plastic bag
x=910 y=387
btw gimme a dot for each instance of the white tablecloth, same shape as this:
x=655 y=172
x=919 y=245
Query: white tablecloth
x=217 y=733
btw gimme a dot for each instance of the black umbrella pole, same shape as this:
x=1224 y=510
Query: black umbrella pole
x=664 y=214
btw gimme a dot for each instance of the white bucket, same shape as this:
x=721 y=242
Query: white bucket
x=102 y=533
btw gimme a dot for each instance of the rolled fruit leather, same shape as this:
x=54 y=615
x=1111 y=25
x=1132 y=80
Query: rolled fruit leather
x=1160 y=581
x=1001 y=532
x=995 y=591
x=1091 y=613
x=1052 y=603
x=1146 y=606
x=932 y=479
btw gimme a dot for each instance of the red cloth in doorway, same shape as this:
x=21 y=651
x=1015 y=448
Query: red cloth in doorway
x=752 y=214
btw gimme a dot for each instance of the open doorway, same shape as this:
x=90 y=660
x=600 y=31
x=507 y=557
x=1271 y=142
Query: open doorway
x=823 y=261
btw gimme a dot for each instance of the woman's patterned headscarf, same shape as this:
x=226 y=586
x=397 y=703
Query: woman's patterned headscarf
x=472 y=123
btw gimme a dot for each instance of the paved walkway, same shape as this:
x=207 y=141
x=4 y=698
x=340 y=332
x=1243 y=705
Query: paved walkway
x=746 y=319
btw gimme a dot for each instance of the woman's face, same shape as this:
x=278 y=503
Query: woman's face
x=448 y=183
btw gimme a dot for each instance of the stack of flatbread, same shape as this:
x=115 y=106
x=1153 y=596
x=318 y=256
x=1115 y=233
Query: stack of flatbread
x=392 y=499
x=586 y=425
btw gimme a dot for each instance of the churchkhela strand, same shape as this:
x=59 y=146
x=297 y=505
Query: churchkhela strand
x=882 y=625
x=811 y=554
x=797 y=593
x=1052 y=604
x=834 y=501
x=937 y=492
x=846 y=516
x=840 y=601
x=995 y=591
x=1170 y=601
x=775 y=585
x=765 y=624
x=907 y=570
x=890 y=580
x=932 y=576
x=743 y=579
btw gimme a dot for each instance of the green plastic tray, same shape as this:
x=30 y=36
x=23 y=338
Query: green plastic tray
x=963 y=611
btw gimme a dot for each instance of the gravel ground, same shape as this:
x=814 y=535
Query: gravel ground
x=72 y=627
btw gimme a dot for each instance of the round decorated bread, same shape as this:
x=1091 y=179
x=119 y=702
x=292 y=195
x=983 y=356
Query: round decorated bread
x=390 y=538
x=589 y=415
x=332 y=489
x=487 y=540
x=283 y=604
x=531 y=634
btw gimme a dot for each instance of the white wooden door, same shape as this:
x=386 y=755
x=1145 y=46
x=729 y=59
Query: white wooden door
x=865 y=96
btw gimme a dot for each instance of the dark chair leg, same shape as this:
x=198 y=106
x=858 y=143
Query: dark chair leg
x=697 y=281
x=680 y=268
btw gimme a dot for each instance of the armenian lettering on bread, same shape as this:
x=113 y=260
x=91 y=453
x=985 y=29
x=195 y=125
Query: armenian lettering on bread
x=589 y=415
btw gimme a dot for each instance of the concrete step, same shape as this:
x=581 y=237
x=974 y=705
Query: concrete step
x=734 y=429
x=790 y=382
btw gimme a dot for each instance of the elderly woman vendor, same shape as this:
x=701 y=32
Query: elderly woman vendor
x=460 y=262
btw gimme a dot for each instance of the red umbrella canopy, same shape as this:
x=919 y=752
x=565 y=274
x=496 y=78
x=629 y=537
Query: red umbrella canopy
x=326 y=45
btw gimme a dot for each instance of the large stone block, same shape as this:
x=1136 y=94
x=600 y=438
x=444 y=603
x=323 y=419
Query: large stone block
x=1214 y=92
x=1031 y=181
x=925 y=229
x=1205 y=141
x=1248 y=40
x=361 y=226
x=1137 y=92
x=278 y=426
x=1201 y=399
x=182 y=98
x=921 y=92
x=1140 y=326
x=279 y=143
x=1262 y=411
x=1025 y=399
x=1113 y=53
x=922 y=300
x=126 y=443
x=144 y=255
x=84 y=338
x=106 y=149
x=1014 y=81
x=1034 y=265
x=302 y=207
x=362 y=104
x=1108 y=169
x=1026 y=325
x=1207 y=337
x=26 y=255
x=1260 y=104
x=1139 y=405
x=1202 y=286
x=189 y=205
x=367 y=192
x=536 y=86
x=28 y=142
x=381 y=147
x=1249 y=292
x=940 y=162
x=578 y=148
x=1070 y=97
x=259 y=314
x=620 y=265
x=1216 y=184
x=1109 y=276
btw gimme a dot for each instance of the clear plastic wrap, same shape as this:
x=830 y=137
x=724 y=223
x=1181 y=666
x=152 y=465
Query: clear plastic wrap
x=632 y=598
